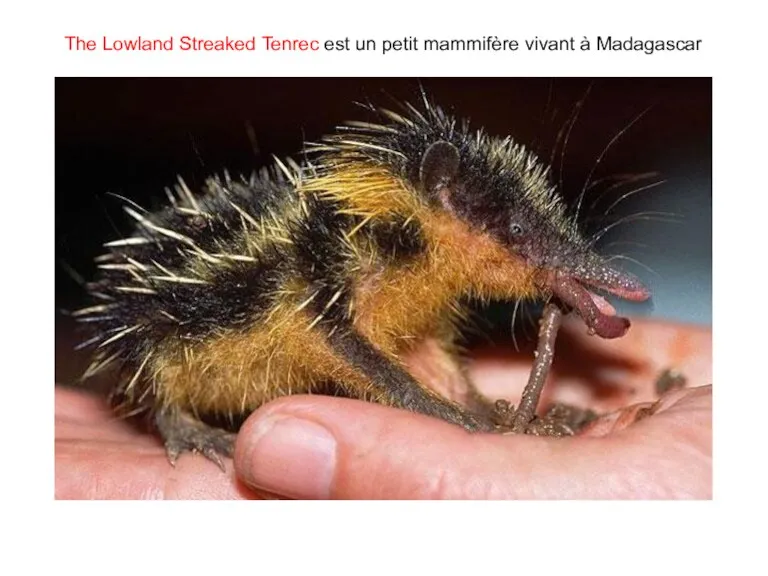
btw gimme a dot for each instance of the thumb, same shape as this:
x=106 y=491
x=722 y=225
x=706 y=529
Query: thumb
x=321 y=447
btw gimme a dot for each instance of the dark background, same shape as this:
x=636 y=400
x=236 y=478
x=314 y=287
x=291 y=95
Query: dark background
x=133 y=136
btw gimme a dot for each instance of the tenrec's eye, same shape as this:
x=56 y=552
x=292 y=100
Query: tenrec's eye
x=515 y=229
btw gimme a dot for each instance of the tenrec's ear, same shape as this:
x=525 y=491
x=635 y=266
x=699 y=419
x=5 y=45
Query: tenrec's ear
x=439 y=166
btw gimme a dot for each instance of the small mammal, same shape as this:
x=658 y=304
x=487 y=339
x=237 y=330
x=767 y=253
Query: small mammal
x=330 y=272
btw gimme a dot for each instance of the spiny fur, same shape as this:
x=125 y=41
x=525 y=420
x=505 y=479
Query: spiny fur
x=395 y=149
x=248 y=290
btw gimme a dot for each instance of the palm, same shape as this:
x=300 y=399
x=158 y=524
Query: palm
x=666 y=454
x=100 y=456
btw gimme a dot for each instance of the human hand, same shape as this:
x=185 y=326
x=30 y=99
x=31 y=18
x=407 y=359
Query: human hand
x=100 y=456
x=379 y=452
x=645 y=447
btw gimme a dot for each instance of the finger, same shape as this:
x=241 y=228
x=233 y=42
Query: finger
x=685 y=409
x=313 y=447
x=604 y=375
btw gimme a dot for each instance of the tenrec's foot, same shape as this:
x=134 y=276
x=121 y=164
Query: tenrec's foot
x=182 y=432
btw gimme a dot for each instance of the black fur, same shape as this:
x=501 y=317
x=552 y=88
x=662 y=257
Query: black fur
x=494 y=185
x=235 y=295
x=399 y=386
x=396 y=239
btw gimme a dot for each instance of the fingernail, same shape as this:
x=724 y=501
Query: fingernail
x=292 y=457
